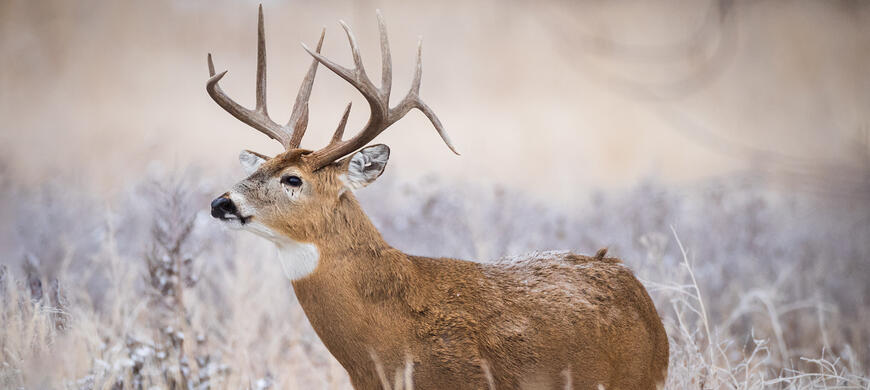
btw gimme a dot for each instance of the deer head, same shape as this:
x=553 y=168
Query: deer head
x=289 y=198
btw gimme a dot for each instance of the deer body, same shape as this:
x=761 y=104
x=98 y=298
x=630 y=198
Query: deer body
x=540 y=322
x=552 y=320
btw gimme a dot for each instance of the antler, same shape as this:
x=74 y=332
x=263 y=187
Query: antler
x=289 y=135
x=382 y=116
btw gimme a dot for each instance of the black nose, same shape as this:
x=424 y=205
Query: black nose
x=222 y=206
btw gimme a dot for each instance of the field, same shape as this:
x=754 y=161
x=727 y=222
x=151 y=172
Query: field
x=721 y=148
x=758 y=288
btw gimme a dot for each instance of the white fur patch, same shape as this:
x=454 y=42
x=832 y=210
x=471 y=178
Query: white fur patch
x=241 y=204
x=250 y=161
x=261 y=230
x=293 y=192
x=297 y=259
x=569 y=380
x=232 y=223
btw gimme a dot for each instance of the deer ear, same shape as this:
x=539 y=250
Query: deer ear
x=251 y=161
x=365 y=166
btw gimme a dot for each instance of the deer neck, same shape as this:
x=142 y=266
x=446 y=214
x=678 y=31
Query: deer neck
x=346 y=246
x=359 y=283
x=342 y=232
x=347 y=229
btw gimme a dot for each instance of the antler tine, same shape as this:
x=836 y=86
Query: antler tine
x=354 y=50
x=418 y=70
x=339 y=131
x=356 y=76
x=261 y=64
x=386 y=59
x=382 y=116
x=412 y=100
x=255 y=119
x=299 y=115
x=211 y=66
x=290 y=135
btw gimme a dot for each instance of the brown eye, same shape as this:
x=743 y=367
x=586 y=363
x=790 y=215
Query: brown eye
x=291 y=180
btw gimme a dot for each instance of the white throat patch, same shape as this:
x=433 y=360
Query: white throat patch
x=297 y=259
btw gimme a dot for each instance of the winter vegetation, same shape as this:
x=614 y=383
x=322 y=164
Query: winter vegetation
x=758 y=288
x=752 y=236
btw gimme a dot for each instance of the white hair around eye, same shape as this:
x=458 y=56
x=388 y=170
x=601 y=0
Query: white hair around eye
x=293 y=192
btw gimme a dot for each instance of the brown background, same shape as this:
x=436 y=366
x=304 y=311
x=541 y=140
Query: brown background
x=553 y=97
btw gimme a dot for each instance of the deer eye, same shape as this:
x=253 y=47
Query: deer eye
x=291 y=180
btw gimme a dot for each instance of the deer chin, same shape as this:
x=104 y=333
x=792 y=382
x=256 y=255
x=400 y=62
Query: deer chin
x=235 y=222
x=254 y=226
x=298 y=259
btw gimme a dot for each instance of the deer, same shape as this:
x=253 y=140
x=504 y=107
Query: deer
x=546 y=320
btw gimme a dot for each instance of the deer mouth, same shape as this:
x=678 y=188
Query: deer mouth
x=235 y=219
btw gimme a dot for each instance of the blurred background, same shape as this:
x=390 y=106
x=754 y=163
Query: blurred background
x=740 y=128
x=595 y=94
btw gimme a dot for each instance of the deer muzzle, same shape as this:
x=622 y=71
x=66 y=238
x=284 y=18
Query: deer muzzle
x=223 y=208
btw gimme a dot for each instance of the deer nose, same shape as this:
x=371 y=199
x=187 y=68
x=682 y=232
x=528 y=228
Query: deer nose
x=222 y=206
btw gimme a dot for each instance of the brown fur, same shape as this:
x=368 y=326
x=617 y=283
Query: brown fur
x=534 y=323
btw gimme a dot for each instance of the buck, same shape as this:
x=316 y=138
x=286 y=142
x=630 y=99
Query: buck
x=550 y=320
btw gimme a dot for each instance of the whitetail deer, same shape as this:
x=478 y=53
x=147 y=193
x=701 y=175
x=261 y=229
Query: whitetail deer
x=552 y=320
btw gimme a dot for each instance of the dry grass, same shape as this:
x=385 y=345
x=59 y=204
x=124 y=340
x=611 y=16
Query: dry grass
x=145 y=291
x=140 y=289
